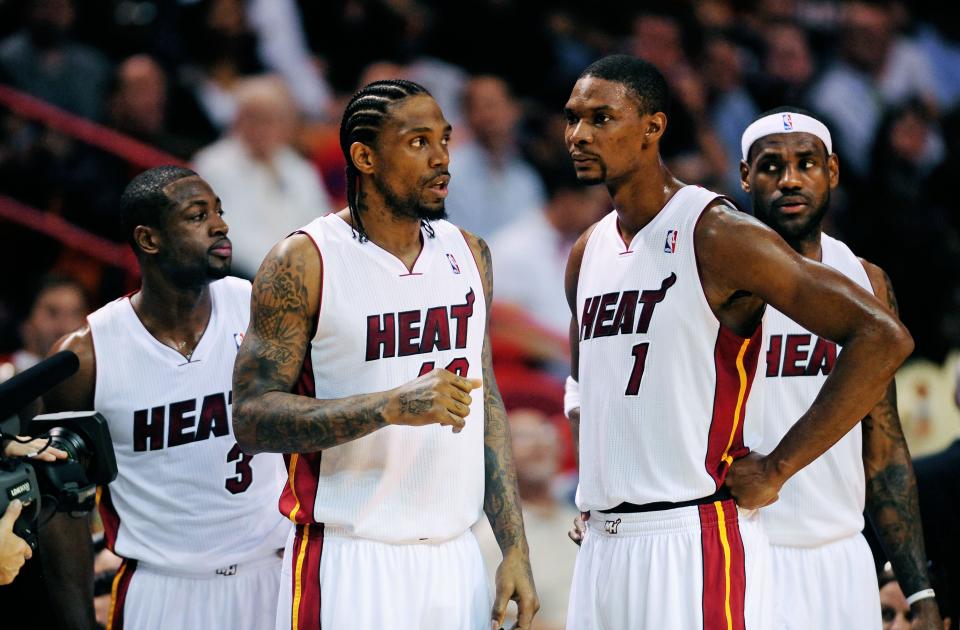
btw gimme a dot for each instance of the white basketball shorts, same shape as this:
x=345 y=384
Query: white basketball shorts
x=830 y=587
x=334 y=581
x=704 y=567
x=240 y=597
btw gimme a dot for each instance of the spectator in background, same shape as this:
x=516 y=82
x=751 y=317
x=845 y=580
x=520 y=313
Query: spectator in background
x=59 y=307
x=532 y=251
x=876 y=68
x=267 y=189
x=42 y=59
x=690 y=147
x=787 y=67
x=938 y=487
x=536 y=455
x=731 y=108
x=490 y=183
x=894 y=609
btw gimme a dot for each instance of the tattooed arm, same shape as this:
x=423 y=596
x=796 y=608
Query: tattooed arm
x=267 y=417
x=892 y=503
x=501 y=501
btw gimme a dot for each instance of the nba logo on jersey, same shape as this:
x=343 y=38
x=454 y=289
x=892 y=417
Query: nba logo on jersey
x=238 y=339
x=453 y=263
x=670 y=245
x=787 y=122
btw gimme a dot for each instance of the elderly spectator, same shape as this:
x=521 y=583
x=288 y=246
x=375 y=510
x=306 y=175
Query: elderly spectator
x=491 y=184
x=267 y=189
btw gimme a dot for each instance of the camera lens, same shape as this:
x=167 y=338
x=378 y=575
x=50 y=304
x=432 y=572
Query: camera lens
x=68 y=441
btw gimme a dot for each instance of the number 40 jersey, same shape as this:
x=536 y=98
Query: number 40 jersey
x=186 y=497
x=665 y=388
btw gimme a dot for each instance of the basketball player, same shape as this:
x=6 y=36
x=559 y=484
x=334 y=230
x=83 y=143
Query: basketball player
x=667 y=294
x=375 y=318
x=823 y=568
x=190 y=513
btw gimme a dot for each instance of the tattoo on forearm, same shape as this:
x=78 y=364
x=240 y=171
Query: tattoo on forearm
x=892 y=503
x=501 y=499
x=265 y=413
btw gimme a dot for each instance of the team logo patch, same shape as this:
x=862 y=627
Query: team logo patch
x=670 y=245
x=611 y=527
x=453 y=263
x=238 y=339
x=787 y=122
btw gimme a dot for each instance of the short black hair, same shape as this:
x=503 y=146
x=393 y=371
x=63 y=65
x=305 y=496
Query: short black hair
x=640 y=77
x=783 y=109
x=362 y=121
x=143 y=201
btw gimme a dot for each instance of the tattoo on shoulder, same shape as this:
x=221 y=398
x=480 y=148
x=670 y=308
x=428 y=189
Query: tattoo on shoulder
x=487 y=264
x=281 y=308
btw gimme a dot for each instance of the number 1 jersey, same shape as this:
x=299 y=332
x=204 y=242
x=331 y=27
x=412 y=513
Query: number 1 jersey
x=381 y=325
x=186 y=497
x=664 y=386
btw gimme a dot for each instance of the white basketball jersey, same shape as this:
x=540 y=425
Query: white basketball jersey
x=381 y=325
x=824 y=501
x=185 y=497
x=664 y=386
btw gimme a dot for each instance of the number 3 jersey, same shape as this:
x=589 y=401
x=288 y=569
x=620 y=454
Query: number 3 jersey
x=379 y=326
x=185 y=497
x=664 y=386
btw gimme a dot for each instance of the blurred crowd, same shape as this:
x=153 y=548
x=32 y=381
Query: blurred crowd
x=250 y=93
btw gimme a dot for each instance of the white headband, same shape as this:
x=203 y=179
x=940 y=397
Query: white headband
x=784 y=122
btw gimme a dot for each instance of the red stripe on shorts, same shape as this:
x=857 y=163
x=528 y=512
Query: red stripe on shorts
x=307 y=548
x=118 y=598
x=724 y=573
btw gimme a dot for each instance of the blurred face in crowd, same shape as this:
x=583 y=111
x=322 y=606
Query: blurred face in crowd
x=57 y=311
x=141 y=99
x=894 y=610
x=722 y=65
x=491 y=112
x=49 y=21
x=266 y=117
x=658 y=40
x=607 y=134
x=788 y=56
x=789 y=179
x=192 y=246
x=536 y=447
x=867 y=35
x=409 y=162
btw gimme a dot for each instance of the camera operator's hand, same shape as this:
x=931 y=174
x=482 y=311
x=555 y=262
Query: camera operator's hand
x=13 y=550
x=33 y=449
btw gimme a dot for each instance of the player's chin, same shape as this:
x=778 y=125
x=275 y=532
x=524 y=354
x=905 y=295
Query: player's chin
x=433 y=211
x=218 y=268
x=589 y=176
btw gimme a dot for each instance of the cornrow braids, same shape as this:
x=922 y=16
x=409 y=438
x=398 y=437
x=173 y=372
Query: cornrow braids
x=362 y=120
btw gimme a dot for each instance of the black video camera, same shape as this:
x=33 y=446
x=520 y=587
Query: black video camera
x=67 y=485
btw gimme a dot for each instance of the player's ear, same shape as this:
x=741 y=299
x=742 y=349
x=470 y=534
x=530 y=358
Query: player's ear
x=833 y=169
x=745 y=176
x=363 y=158
x=656 y=125
x=147 y=239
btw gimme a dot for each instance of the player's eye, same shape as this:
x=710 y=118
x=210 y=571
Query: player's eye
x=600 y=119
x=571 y=118
x=418 y=142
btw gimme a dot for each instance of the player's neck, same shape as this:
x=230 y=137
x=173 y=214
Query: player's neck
x=166 y=309
x=808 y=246
x=641 y=196
x=398 y=235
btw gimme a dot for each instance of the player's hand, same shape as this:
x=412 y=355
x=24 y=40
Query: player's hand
x=579 y=529
x=33 y=449
x=926 y=615
x=515 y=581
x=437 y=397
x=13 y=550
x=752 y=482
